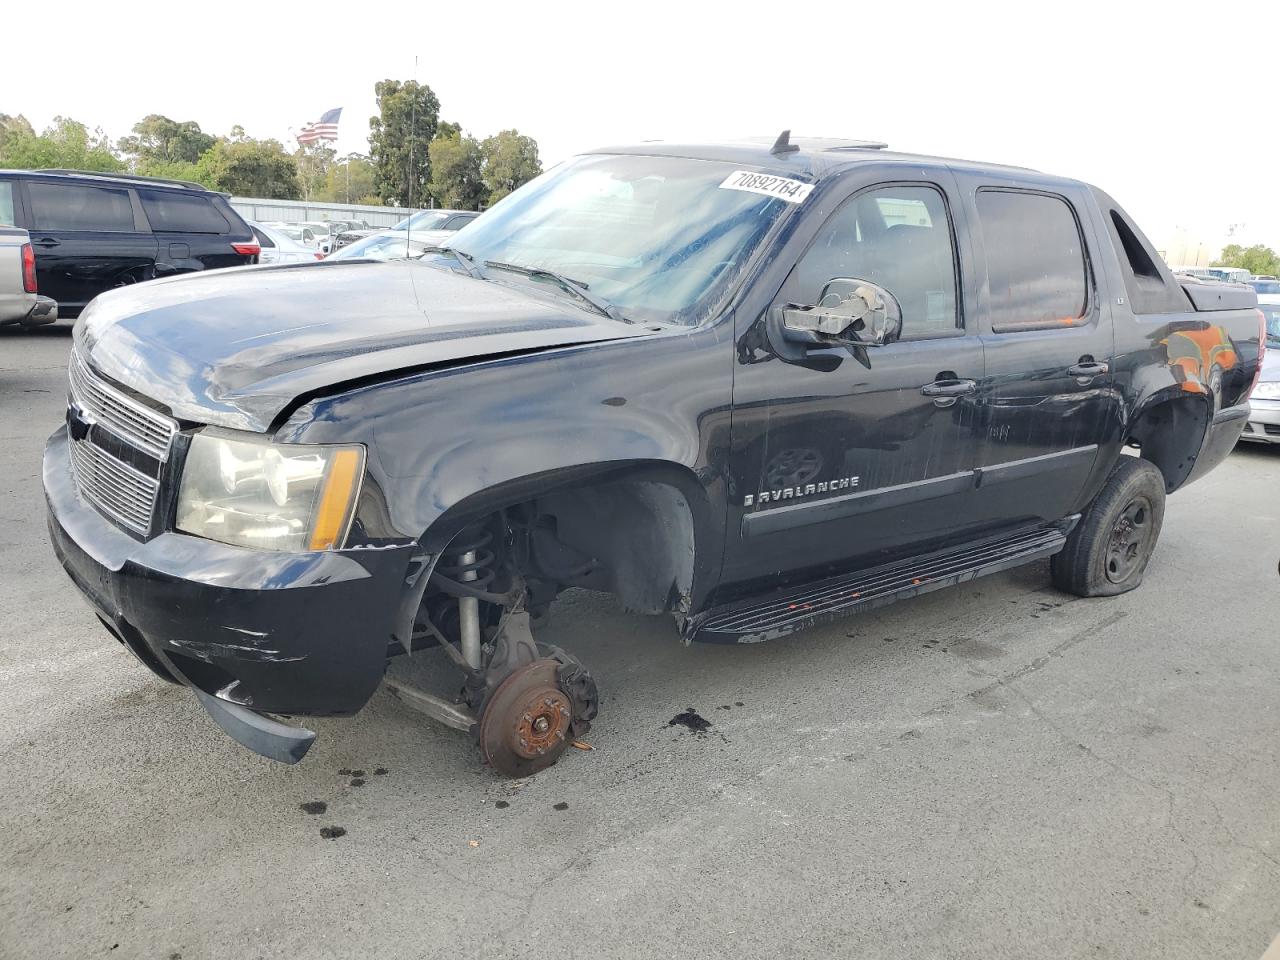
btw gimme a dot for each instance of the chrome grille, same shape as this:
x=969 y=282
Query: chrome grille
x=123 y=486
x=114 y=487
x=134 y=423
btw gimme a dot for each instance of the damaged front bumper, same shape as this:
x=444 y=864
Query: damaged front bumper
x=251 y=632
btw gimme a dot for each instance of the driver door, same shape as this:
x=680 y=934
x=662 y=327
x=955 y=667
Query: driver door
x=843 y=457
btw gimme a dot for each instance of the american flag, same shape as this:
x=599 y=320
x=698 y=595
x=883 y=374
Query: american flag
x=326 y=128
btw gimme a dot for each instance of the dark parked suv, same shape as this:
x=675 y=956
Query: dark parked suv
x=95 y=231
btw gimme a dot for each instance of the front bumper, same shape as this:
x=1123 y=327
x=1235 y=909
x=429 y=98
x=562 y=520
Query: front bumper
x=1264 y=422
x=288 y=633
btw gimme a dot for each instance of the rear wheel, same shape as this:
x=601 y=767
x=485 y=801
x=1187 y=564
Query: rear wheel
x=1108 y=551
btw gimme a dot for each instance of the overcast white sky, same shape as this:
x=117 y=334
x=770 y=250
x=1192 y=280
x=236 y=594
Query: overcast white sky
x=1150 y=103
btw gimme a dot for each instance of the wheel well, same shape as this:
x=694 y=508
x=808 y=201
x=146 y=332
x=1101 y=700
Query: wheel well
x=630 y=529
x=633 y=538
x=1169 y=434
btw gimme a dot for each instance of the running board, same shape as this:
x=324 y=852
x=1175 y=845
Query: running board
x=781 y=613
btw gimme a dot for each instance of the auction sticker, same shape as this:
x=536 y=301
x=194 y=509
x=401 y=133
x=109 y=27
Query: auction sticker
x=784 y=188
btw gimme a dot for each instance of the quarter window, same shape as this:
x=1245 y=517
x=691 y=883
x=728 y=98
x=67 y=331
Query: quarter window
x=8 y=216
x=1035 y=261
x=179 y=213
x=898 y=237
x=73 y=206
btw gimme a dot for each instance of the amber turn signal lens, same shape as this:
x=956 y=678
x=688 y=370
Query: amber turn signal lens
x=337 y=500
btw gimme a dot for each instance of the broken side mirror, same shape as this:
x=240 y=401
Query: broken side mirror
x=850 y=311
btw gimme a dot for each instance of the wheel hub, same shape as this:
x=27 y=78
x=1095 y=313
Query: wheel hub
x=525 y=725
x=1130 y=540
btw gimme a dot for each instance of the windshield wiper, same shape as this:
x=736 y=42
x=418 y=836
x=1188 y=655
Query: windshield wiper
x=468 y=262
x=579 y=290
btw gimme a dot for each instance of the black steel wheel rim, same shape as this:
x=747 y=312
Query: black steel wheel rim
x=1130 y=540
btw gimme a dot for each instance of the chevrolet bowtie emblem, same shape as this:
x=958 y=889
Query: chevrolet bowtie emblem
x=78 y=422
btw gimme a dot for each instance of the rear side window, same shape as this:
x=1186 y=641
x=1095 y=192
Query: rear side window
x=8 y=213
x=182 y=213
x=74 y=206
x=1035 y=261
x=263 y=240
x=1150 y=286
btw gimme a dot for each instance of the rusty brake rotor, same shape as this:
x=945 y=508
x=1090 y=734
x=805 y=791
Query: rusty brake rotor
x=525 y=725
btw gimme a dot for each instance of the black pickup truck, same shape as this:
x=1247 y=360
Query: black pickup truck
x=753 y=385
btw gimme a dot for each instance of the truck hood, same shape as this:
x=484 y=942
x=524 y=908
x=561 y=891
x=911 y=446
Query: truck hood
x=236 y=347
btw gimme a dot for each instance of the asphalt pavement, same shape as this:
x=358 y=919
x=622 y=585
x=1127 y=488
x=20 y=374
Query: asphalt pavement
x=992 y=771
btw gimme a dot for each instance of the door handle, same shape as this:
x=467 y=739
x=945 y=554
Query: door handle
x=949 y=388
x=946 y=392
x=46 y=242
x=1088 y=368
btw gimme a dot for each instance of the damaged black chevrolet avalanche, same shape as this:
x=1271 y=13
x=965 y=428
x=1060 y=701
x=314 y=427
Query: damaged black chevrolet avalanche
x=752 y=386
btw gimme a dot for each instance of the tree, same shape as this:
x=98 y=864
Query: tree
x=1256 y=259
x=18 y=126
x=159 y=141
x=314 y=161
x=66 y=143
x=250 y=168
x=456 y=179
x=510 y=160
x=349 y=181
x=399 y=140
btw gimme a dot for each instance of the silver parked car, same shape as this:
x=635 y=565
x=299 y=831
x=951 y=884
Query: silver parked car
x=389 y=245
x=279 y=247
x=1264 y=402
x=19 y=302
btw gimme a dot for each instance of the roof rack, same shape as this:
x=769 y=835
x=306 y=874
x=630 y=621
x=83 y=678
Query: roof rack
x=111 y=175
x=857 y=145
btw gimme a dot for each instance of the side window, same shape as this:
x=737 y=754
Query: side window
x=1150 y=289
x=1035 y=261
x=8 y=208
x=898 y=237
x=263 y=240
x=171 y=212
x=73 y=206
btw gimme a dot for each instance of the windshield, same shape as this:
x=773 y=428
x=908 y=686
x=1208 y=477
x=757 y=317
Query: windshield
x=381 y=246
x=657 y=237
x=422 y=220
x=293 y=233
x=1272 y=312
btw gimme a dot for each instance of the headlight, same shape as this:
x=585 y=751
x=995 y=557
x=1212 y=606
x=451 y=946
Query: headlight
x=1267 y=390
x=273 y=496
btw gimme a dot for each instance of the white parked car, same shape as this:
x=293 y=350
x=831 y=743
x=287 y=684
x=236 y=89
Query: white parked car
x=279 y=247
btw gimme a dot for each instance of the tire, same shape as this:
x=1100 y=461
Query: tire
x=1107 y=553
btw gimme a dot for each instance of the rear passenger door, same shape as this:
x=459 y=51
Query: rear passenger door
x=192 y=234
x=1048 y=342
x=88 y=238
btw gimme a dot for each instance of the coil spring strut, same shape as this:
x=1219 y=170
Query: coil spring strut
x=469 y=560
